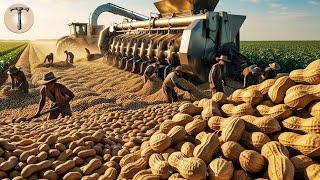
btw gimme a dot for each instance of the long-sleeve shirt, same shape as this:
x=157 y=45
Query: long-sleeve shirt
x=216 y=76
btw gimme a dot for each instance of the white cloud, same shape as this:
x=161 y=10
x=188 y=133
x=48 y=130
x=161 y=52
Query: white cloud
x=275 y=5
x=278 y=6
x=255 y=1
x=313 y=3
x=251 y=1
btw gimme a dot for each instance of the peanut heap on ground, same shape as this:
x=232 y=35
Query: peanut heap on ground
x=239 y=137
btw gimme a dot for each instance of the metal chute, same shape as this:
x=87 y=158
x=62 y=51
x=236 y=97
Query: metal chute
x=112 y=8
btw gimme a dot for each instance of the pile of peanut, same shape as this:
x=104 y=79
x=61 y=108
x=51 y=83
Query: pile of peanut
x=267 y=131
x=77 y=147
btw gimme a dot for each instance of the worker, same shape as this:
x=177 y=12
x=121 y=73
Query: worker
x=70 y=57
x=170 y=82
x=91 y=57
x=18 y=79
x=58 y=94
x=252 y=75
x=49 y=57
x=271 y=71
x=217 y=75
x=150 y=70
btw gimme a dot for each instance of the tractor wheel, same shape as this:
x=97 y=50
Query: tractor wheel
x=68 y=44
x=60 y=39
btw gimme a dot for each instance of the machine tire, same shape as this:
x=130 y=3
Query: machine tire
x=68 y=44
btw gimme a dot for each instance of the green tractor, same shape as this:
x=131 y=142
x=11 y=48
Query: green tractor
x=86 y=35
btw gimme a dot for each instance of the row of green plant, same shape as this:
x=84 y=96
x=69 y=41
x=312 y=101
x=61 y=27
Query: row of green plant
x=7 y=46
x=289 y=54
x=7 y=58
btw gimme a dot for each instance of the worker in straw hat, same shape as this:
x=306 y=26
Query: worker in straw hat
x=217 y=75
x=18 y=79
x=271 y=71
x=252 y=75
x=58 y=94
x=170 y=82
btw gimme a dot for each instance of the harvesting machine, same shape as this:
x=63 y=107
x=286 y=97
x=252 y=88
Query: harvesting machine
x=186 y=32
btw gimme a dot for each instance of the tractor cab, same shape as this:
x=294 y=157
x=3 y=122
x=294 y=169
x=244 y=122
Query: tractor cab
x=78 y=30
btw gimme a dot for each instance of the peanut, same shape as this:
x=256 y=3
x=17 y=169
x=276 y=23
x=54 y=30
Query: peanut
x=232 y=150
x=231 y=110
x=233 y=130
x=129 y=170
x=251 y=161
x=263 y=87
x=72 y=176
x=313 y=172
x=189 y=108
x=280 y=111
x=308 y=144
x=159 y=166
x=207 y=148
x=182 y=119
x=300 y=96
x=308 y=125
x=249 y=96
x=219 y=98
x=196 y=126
x=280 y=167
x=187 y=149
x=65 y=167
x=91 y=166
x=266 y=125
x=314 y=109
x=254 y=140
x=300 y=163
x=160 y=142
x=220 y=169
x=277 y=91
x=308 y=75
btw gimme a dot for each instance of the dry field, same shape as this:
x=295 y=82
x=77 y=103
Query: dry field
x=96 y=85
x=121 y=129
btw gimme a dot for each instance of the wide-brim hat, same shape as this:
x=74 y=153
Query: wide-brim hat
x=179 y=68
x=48 y=77
x=275 y=66
x=223 y=58
x=13 y=69
x=255 y=69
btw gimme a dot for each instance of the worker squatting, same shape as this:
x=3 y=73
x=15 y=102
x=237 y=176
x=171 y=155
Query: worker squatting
x=60 y=95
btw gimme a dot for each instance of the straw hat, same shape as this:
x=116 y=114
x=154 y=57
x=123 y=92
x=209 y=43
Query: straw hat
x=13 y=70
x=255 y=69
x=179 y=68
x=223 y=58
x=275 y=66
x=48 y=77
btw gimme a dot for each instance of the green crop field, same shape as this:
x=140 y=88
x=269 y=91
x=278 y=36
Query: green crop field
x=10 y=51
x=289 y=54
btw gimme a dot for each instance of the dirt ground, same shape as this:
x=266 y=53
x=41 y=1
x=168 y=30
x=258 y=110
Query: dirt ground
x=97 y=86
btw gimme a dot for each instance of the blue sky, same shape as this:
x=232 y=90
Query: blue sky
x=266 y=19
